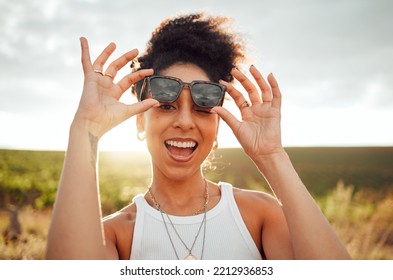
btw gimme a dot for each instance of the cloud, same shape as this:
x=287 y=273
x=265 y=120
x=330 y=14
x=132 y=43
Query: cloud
x=331 y=51
x=325 y=54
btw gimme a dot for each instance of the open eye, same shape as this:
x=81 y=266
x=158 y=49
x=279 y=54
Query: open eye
x=166 y=107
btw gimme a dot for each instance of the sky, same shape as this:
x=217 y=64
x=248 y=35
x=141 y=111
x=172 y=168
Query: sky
x=333 y=61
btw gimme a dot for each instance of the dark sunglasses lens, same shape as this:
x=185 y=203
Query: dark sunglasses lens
x=207 y=95
x=164 y=90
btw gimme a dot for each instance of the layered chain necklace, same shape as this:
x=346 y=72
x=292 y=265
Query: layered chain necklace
x=190 y=255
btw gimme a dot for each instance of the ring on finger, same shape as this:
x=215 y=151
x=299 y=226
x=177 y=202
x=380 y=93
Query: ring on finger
x=244 y=104
x=109 y=75
x=99 y=72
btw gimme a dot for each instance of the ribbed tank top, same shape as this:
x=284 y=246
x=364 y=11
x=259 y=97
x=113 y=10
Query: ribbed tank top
x=226 y=238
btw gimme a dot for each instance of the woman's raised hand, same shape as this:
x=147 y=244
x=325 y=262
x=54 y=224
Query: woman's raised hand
x=259 y=131
x=99 y=106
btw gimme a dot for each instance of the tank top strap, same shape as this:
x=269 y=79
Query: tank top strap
x=139 y=221
x=226 y=189
x=138 y=200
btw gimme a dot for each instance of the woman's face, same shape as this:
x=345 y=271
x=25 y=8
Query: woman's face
x=179 y=135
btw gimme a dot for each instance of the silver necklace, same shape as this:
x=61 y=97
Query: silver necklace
x=190 y=256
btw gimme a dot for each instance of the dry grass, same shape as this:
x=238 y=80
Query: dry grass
x=31 y=243
x=363 y=220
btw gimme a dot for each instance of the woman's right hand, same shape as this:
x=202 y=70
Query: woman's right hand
x=99 y=107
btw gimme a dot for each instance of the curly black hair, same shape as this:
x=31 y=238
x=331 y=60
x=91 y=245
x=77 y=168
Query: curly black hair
x=205 y=41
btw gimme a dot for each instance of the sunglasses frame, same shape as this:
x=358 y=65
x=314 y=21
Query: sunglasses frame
x=146 y=87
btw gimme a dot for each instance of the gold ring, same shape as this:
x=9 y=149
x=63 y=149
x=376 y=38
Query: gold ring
x=244 y=104
x=109 y=75
x=99 y=72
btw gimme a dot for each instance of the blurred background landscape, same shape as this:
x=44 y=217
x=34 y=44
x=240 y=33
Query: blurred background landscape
x=353 y=187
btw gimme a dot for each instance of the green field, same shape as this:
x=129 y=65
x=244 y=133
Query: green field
x=353 y=186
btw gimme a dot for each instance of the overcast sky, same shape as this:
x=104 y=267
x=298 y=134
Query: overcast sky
x=333 y=60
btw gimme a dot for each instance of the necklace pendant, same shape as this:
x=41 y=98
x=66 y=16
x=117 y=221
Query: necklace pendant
x=190 y=257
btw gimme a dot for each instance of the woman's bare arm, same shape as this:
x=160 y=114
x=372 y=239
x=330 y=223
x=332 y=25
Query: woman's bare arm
x=76 y=231
x=259 y=133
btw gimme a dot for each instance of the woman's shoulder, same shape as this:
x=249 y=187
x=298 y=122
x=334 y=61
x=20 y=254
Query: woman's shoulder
x=128 y=213
x=258 y=204
x=254 y=197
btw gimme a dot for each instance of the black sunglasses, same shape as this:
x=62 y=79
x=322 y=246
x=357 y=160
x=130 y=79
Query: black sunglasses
x=167 y=89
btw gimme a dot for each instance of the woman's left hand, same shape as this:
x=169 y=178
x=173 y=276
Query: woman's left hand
x=259 y=131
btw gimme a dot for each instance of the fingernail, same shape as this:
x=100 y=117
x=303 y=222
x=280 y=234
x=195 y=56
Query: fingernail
x=254 y=68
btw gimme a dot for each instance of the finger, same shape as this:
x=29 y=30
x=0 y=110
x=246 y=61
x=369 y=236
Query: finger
x=103 y=57
x=85 y=58
x=237 y=96
x=265 y=89
x=132 y=78
x=247 y=85
x=119 y=63
x=275 y=91
x=141 y=107
x=227 y=116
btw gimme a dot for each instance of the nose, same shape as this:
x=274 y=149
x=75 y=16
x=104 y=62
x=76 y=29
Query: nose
x=184 y=117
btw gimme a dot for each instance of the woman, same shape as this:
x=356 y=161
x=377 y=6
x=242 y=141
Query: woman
x=180 y=82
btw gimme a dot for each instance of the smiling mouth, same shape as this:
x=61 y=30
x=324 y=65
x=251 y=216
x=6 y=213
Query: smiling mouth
x=181 y=150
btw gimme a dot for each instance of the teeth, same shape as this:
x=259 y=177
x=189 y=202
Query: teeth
x=178 y=144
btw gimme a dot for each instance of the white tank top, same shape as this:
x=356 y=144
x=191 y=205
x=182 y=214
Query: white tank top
x=226 y=234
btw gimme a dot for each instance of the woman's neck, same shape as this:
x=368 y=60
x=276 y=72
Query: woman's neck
x=178 y=197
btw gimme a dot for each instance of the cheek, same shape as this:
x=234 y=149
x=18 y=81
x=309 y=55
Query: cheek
x=153 y=127
x=215 y=123
x=210 y=128
x=151 y=123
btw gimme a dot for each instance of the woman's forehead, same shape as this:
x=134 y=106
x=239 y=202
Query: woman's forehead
x=187 y=72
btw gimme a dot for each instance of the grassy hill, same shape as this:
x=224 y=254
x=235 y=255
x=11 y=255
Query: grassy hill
x=319 y=168
x=31 y=177
x=353 y=187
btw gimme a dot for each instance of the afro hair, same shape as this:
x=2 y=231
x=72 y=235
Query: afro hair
x=199 y=39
